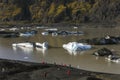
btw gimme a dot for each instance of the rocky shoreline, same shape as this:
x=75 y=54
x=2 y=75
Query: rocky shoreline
x=19 y=70
x=63 y=25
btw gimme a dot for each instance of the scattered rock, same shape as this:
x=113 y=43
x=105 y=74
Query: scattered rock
x=19 y=70
x=102 y=41
x=103 y=52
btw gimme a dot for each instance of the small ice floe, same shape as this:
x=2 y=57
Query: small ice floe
x=2 y=29
x=44 y=33
x=74 y=46
x=49 y=31
x=113 y=58
x=22 y=28
x=3 y=70
x=54 y=34
x=28 y=34
x=40 y=27
x=75 y=27
x=13 y=29
x=52 y=29
x=43 y=45
x=23 y=44
x=76 y=33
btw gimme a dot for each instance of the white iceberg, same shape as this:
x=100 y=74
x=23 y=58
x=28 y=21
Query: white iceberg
x=74 y=46
x=26 y=34
x=24 y=44
x=43 y=45
x=44 y=33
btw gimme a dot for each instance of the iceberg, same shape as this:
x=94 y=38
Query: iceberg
x=74 y=46
x=43 y=45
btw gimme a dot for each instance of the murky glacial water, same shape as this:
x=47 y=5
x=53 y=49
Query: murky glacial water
x=83 y=60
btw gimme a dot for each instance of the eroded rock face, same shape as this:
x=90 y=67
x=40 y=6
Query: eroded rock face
x=103 y=52
x=55 y=11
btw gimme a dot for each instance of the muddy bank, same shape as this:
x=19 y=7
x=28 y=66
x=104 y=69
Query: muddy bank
x=18 y=70
x=63 y=25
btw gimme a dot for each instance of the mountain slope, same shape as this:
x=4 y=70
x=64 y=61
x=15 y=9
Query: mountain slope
x=56 y=11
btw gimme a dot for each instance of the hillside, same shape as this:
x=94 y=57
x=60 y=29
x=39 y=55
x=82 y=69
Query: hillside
x=58 y=11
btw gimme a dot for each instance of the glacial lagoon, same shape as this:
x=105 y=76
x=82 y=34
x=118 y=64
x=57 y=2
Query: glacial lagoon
x=56 y=54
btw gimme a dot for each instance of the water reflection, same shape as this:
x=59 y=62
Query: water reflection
x=75 y=53
x=44 y=51
x=23 y=49
x=29 y=51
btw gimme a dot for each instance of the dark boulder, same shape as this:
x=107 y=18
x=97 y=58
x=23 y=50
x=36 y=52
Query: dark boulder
x=103 y=52
x=102 y=41
x=6 y=34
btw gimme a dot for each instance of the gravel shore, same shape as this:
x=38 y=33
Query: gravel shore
x=19 y=70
